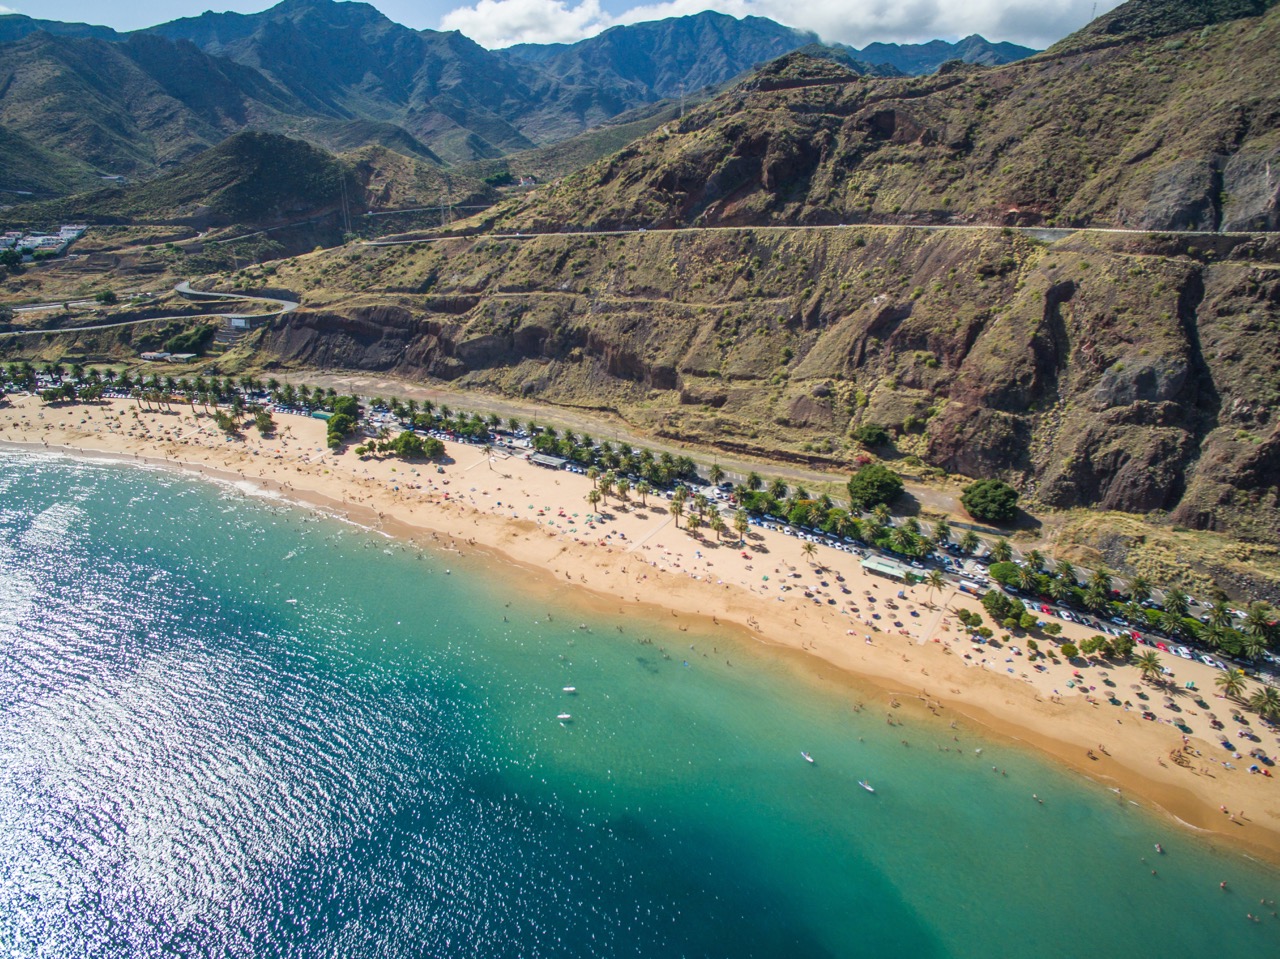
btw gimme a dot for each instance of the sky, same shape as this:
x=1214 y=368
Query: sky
x=500 y=23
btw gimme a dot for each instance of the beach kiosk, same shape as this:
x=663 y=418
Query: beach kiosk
x=888 y=568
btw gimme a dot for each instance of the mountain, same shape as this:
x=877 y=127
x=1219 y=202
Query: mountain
x=665 y=58
x=914 y=59
x=1163 y=134
x=255 y=179
x=1148 y=19
x=15 y=26
x=28 y=168
x=248 y=178
x=348 y=61
x=129 y=107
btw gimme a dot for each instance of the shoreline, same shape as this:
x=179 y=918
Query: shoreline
x=626 y=560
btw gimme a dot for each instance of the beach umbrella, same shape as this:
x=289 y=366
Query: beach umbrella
x=1135 y=687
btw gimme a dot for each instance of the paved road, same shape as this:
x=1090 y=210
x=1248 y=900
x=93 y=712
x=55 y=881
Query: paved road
x=1036 y=232
x=601 y=426
x=183 y=289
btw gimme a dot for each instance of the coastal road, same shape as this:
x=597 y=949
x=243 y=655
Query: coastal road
x=601 y=426
x=1046 y=234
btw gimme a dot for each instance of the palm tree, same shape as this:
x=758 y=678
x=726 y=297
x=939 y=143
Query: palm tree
x=1139 y=589
x=1231 y=683
x=607 y=481
x=809 y=549
x=1175 y=601
x=969 y=542
x=934 y=582
x=1035 y=560
x=1028 y=581
x=754 y=481
x=676 y=509
x=903 y=540
x=1001 y=551
x=717 y=525
x=881 y=513
x=1095 y=598
x=1148 y=664
x=643 y=489
x=1259 y=621
x=778 y=489
x=1220 y=617
x=1265 y=701
x=715 y=474
x=1065 y=570
x=941 y=532
x=1253 y=646
x=741 y=521
x=593 y=474
x=623 y=487
x=593 y=497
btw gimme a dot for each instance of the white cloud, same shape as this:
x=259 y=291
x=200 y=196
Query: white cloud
x=1037 y=23
x=4 y=9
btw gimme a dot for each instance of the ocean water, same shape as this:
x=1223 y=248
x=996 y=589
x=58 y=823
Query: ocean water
x=231 y=728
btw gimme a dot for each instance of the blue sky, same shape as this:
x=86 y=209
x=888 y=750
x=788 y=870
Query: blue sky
x=496 y=23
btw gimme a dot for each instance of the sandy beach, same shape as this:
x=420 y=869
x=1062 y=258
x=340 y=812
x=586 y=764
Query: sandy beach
x=907 y=654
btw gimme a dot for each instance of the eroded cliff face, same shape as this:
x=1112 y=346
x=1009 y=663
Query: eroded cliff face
x=1136 y=374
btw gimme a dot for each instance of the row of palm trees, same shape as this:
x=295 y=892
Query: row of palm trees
x=1263 y=700
x=698 y=507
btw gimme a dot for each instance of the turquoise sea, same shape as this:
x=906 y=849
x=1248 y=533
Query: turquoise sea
x=229 y=727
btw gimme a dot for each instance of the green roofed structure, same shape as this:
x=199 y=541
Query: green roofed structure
x=889 y=568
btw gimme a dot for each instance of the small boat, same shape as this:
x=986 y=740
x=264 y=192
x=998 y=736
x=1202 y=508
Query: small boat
x=807 y=757
x=866 y=785
x=564 y=717
x=292 y=602
x=1160 y=849
x=571 y=689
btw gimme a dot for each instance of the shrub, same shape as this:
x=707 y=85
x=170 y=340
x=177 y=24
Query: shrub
x=1069 y=651
x=871 y=434
x=990 y=500
x=873 y=485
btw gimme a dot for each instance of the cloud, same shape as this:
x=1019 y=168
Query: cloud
x=4 y=10
x=1036 y=23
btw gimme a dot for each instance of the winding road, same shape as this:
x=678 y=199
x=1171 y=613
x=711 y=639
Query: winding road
x=184 y=290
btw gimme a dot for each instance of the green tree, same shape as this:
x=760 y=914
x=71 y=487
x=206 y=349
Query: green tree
x=263 y=421
x=1231 y=683
x=1176 y=602
x=715 y=474
x=934 y=582
x=1065 y=571
x=969 y=542
x=809 y=549
x=593 y=497
x=942 y=532
x=1265 y=701
x=1260 y=622
x=1069 y=651
x=873 y=485
x=1148 y=664
x=1001 y=551
x=643 y=489
x=741 y=522
x=990 y=500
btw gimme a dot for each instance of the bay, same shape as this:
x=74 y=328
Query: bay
x=230 y=727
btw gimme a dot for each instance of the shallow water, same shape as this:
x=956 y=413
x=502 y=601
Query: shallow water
x=191 y=764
